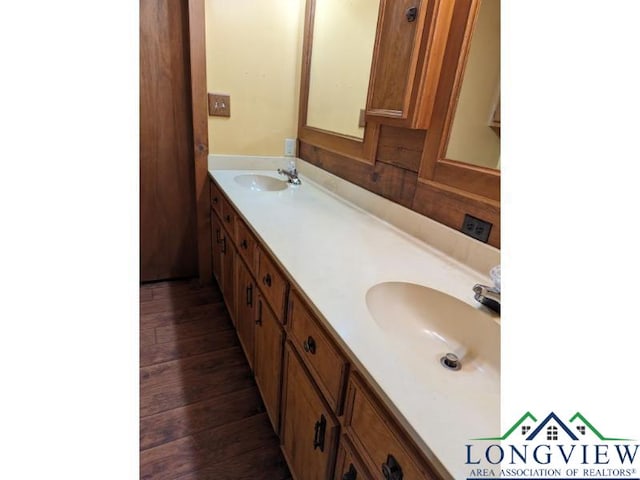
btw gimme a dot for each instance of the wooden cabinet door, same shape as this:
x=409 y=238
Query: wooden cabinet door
x=216 y=248
x=309 y=430
x=269 y=341
x=245 y=318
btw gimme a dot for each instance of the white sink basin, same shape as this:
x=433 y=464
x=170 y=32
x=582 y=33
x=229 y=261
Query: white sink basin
x=427 y=324
x=260 y=183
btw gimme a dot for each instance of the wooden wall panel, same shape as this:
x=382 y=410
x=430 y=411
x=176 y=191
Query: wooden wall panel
x=478 y=180
x=448 y=205
x=400 y=147
x=386 y=180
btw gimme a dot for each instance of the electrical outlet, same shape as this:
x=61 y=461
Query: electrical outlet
x=476 y=228
x=289 y=147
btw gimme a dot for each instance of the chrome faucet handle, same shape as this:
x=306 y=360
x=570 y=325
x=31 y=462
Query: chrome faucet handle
x=487 y=296
x=291 y=173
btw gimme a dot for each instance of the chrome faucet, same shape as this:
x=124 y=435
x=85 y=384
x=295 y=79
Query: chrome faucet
x=292 y=173
x=487 y=296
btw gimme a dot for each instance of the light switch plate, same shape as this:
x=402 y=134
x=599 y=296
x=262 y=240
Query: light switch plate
x=219 y=105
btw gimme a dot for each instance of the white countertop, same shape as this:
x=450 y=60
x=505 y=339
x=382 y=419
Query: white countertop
x=335 y=252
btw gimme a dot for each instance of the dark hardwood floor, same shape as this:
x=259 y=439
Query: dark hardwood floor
x=201 y=416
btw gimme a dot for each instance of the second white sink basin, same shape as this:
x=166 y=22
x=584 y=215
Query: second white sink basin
x=428 y=324
x=260 y=183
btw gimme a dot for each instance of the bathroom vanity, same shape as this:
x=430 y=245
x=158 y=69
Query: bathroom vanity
x=306 y=276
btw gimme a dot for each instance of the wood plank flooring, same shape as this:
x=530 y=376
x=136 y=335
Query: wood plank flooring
x=201 y=416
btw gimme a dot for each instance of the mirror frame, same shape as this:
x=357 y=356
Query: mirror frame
x=435 y=169
x=361 y=151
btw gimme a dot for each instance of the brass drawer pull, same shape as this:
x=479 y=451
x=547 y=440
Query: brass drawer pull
x=244 y=244
x=267 y=280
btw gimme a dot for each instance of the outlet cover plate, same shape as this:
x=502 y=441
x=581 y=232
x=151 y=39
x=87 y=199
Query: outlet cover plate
x=476 y=228
x=289 y=147
x=219 y=105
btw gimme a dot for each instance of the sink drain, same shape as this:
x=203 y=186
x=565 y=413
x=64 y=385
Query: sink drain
x=451 y=362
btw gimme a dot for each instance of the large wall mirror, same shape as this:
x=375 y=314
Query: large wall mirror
x=344 y=32
x=475 y=132
x=462 y=149
x=338 y=49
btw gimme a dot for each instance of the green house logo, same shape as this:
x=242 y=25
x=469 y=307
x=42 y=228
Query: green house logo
x=552 y=427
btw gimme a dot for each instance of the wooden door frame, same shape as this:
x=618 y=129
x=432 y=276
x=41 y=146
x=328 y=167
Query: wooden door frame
x=200 y=115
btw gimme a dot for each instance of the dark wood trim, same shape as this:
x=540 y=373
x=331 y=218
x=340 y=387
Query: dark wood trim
x=359 y=150
x=479 y=180
x=426 y=91
x=307 y=45
x=199 y=100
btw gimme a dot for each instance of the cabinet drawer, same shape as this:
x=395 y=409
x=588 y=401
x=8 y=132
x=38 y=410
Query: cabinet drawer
x=247 y=245
x=376 y=436
x=216 y=198
x=229 y=219
x=326 y=363
x=272 y=283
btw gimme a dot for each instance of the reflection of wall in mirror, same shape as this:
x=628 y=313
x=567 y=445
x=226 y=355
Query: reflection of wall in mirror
x=343 y=37
x=254 y=54
x=472 y=140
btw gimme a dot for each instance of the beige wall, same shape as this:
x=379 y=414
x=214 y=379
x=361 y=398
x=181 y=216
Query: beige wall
x=472 y=140
x=343 y=37
x=254 y=50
